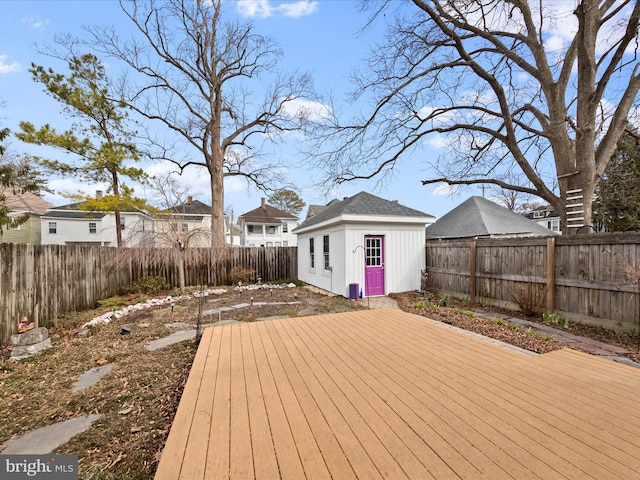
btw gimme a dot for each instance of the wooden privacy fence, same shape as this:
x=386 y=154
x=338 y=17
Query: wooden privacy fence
x=589 y=278
x=43 y=282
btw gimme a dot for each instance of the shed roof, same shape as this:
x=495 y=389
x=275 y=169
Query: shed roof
x=479 y=217
x=366 y=205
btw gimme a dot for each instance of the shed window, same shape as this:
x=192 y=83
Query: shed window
x=312 y=253
x=93 y=227
x=325 y=251
x=53 y=228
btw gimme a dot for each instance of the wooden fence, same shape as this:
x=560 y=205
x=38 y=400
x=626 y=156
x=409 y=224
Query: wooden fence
x=43 y=282
x=593 y=279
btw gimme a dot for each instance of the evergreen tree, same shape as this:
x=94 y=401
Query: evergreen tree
x=99 y=140
x=617 y=204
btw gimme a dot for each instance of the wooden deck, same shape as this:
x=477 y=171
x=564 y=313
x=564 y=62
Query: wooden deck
x=385 y=394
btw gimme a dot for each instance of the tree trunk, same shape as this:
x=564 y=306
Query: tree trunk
x=217 y=203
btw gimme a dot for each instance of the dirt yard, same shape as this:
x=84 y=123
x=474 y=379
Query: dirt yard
x=138 y=399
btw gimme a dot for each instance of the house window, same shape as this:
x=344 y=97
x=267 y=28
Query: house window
x=285 y=243
x=185 y=227
x=121 y=223
x=285 y=227
x=325 y=251
x=249 y=228
x=272 y=230
x=53 y=228
x=269 y=244
x=312 y=258
x=93 y=227
x=174 y=227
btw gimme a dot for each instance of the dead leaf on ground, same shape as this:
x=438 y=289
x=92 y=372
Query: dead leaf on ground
x=126 y=411
x=102 y=361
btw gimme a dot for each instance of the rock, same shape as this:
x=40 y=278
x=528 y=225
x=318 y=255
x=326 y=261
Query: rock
x=30 y=337
x=20 y=352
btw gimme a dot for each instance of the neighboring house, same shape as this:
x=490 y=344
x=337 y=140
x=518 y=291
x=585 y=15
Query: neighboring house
x=70 y=225
x=363 y=242
x=316 y=209
x=18 y=205
x=189 y=222
x=545 y=216
x=478 y=217
x=267 y=226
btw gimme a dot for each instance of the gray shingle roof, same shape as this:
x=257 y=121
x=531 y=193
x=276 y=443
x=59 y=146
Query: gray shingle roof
x=69 y=214
x=266 y=213
x=479 y=217
x=196 y=207
x=363 y=204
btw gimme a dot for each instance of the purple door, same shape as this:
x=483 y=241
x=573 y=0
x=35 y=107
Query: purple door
x=373 y=266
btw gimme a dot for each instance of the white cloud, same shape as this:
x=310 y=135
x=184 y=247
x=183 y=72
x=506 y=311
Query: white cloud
x=35 y=21
x=267 y=8
x=307 y=109
x=6 y=67
x=444 y=189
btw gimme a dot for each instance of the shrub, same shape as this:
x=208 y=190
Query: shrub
x=530 y=297
x=150 y=285
x=242 y=275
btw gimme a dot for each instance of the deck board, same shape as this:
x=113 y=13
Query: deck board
x=386 y=394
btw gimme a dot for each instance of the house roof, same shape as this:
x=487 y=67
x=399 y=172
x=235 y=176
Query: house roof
x=24 y=202
x=316 y=209
x=74 y=210
x=71 y=214
x=195 y=207
x=365 y=205
x=266 y=213
x=479 y=217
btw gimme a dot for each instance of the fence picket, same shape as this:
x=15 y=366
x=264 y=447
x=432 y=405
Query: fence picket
x=43 y=282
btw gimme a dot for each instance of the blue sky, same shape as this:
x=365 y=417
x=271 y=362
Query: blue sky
x=319 y=37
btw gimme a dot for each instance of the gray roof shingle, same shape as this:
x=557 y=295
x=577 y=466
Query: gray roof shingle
x=479 y=217
x=362 y=204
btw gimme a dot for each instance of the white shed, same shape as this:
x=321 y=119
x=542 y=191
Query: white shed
x=365 y=240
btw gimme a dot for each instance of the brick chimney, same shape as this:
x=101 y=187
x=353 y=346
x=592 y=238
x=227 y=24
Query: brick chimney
x=262 y=203
x=189 y=199
x=98 y=194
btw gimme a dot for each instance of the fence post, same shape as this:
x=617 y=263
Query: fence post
x=551 y=274
x=472 y=272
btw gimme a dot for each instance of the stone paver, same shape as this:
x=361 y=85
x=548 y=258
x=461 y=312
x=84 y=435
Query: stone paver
x=46 y=439
x=91 y=377
x=171 y=339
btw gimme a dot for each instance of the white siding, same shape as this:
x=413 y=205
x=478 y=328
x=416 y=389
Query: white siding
x=404 y=256
x=76 y=230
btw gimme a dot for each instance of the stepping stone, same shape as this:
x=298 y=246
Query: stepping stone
x=91 y=377
x=171 y=339
x=307 y=311
x=180 y=325
x=242 y=305
x=46 y=439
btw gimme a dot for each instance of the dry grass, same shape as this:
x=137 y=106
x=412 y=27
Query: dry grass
x=139 y=397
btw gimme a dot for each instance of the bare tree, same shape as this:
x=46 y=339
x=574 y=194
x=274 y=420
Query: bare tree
x=504 y=87
x=198 y=76
x=176 y=228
